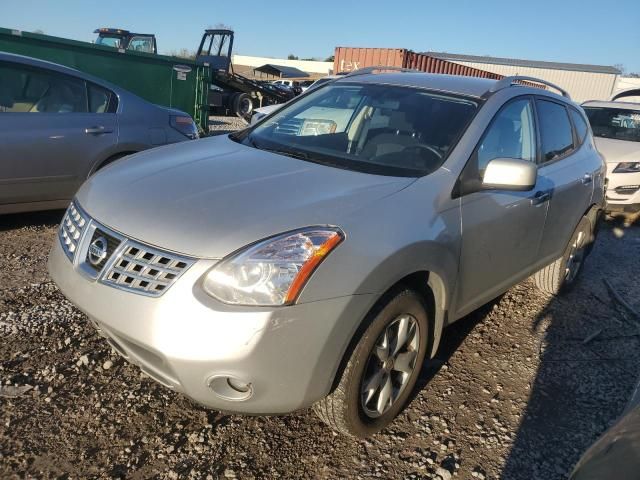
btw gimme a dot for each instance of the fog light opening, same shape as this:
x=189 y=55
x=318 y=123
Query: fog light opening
x=238 y=386
x=230 y=388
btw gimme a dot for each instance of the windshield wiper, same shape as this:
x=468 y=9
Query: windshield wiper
x=280 y=151
x=289 y=153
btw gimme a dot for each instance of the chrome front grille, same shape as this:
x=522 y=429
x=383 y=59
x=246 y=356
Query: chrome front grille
x=111 y=244
x=71 y=228
x=115 y=260
x=145 y=270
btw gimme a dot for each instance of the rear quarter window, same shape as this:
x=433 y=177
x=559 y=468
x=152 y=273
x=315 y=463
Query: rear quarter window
x=101 y=100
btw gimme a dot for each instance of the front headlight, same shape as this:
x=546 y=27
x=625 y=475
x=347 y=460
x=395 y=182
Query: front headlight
x=274 y=271
x=627 y=167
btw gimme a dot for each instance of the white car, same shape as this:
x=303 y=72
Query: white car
x=260 y=113
x=616 y=130
x=287 y=83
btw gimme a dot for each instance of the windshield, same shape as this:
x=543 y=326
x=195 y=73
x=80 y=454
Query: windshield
x=388 y=130
x=616 y=123
x=109 y=41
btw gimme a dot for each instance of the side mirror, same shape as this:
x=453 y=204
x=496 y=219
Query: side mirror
x=510 y=174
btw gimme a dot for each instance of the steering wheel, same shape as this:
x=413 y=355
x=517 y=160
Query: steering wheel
x=428 y=148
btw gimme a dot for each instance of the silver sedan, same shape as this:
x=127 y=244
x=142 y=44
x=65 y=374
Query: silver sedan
x=316 y=257
x=58 y=126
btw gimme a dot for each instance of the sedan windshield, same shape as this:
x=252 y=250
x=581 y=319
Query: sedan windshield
x=382 y=129
x=616 y=123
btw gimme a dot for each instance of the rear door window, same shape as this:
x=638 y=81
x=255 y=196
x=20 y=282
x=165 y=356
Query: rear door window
x=555 y=130
x=35 y=90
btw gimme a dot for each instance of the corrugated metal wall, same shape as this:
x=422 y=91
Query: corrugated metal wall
x=427 y=63
x=349 y=59
x=580 y=85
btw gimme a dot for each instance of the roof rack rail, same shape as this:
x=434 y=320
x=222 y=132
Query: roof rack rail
x=367 y=70
x=517 y=79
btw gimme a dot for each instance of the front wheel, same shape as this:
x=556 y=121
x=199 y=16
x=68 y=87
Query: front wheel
x=382 y=370
x=561 y=275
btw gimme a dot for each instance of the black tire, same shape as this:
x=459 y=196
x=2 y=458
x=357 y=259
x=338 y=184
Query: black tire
x=243 y=105
x=561 y=276
x=595 y=217
x=343 y=408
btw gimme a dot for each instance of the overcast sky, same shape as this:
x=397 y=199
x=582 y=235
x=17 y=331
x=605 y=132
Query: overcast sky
x=596 y=32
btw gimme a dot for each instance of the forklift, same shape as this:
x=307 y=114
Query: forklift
x=125 y=40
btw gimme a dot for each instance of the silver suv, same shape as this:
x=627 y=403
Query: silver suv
x=316 y=257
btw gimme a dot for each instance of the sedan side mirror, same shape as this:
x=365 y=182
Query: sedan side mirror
x=510 y=174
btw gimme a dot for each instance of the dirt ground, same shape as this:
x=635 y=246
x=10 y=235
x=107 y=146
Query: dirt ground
x=514 y=393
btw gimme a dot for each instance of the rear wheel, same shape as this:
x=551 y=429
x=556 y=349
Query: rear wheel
x=243 y=105
x=382 y=370
x=561 y=275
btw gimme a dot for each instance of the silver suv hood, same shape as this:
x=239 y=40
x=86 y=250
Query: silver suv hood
x=210 y=197
x=616 y=151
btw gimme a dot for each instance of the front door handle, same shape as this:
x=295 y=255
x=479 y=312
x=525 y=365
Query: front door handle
x=540 y=197
x=97 y=130
x=587 y=179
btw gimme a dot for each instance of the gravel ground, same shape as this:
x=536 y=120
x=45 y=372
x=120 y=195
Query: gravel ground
x=221 y=125
x=514 y=393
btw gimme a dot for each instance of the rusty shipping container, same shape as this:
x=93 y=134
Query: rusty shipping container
x=348 y=59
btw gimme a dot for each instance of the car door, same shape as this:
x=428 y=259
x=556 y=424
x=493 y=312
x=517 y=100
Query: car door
x=52 y=128
x=567 y=170
x=501 y=230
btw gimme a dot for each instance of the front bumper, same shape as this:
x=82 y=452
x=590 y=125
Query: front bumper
x=184 y=338
x=623 y=191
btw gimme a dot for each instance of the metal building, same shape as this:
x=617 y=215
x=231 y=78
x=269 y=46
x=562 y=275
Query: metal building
x=583 y=82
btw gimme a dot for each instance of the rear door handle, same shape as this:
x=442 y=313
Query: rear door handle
x=587 y=179
x=97 y=130
x=540 y=197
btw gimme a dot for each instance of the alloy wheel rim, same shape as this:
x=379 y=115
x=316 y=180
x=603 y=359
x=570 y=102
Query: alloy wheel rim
x=576 y=256
x=390 y=365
